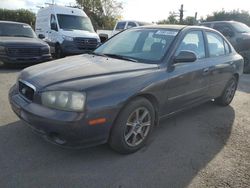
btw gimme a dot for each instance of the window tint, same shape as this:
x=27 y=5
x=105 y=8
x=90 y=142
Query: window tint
x=52 y=19
x=223 y=28
x=227 y=48
x=215 y=44
x=194 y=42
x=16 y=30
x=131 y=24
x=120 y=26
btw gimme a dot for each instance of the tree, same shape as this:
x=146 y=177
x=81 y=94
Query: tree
x=170 y=20
x=236 y=15
x=103 y=13
x=189 y=20
x=20 y=15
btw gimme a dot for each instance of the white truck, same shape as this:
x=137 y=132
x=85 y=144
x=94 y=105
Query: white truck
x=120 y=26
x=67 y=30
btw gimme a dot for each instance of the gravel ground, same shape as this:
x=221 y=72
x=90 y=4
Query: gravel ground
x=207 y=146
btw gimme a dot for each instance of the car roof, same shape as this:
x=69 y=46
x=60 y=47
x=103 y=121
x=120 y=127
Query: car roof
x=176 y=27
x=218 y=22
x=11 y=22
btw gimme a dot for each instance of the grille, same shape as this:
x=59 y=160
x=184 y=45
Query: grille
x=26 y=90
x=85 y=43
x=23 y=52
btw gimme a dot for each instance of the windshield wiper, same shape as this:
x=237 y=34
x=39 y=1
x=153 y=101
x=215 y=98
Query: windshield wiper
x=121 y=57
x=97 y=54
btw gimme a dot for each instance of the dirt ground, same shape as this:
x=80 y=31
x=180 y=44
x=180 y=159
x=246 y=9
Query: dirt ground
x=207 y=146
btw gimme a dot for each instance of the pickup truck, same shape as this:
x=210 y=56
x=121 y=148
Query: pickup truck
x=119 y=26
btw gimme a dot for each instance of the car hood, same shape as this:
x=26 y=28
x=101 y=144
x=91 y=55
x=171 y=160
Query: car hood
x=79 y=33
x=24 y=41
x=79 y=67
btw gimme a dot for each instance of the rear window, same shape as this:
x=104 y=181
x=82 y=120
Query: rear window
x=16 y=30
x=120 y=26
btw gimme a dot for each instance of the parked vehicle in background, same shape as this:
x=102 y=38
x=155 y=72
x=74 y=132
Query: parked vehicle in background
x=67 y=30
x=239 y=36
x=119 y=93
x=120 y=26
x=20 y=45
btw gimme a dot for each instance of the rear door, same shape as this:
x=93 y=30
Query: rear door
x=188 y=82
x=220 y=63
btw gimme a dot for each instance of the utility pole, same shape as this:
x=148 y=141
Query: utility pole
x=181 y=14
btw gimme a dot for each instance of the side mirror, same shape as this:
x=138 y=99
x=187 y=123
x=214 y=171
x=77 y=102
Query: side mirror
x=103 y=37
x=185 y=57
x=41 y=36
x=53 y=26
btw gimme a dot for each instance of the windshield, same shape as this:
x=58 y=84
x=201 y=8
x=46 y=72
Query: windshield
x=143 y=45
x=241 y=28
x=69 y=22
x=16 y=30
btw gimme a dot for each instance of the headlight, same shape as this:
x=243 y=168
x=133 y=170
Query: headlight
x=68 y=38
x=64 y=100
x=45 y=50
x=2 y=50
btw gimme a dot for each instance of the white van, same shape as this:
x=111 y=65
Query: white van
x=67 y=30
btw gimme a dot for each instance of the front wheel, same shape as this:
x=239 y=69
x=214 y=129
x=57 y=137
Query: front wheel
x=58 y=52
x=228 y=93
x=133 y=126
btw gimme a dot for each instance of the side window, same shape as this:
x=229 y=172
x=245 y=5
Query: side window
x=52 y=19
x=215 y=44
x=227 y=48
x=194 y=42
x=224 y=29
x=53 y=24
x=131 y=24
x=120 y=26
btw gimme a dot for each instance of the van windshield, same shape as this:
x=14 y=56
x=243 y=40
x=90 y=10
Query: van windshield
x=16 y=30
x=241 y=28
x=70 y=22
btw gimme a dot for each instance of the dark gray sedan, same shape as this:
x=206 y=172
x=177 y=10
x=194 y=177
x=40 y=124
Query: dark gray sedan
x=119 y=93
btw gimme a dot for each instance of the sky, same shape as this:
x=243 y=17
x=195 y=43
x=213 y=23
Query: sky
x=146 y=10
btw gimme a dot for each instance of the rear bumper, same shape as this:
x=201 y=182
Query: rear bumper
x=69 y=129
x=24 y=60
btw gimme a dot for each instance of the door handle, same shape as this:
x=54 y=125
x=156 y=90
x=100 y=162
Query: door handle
x=206 y=70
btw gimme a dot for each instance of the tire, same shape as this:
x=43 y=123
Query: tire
x=228 y=93
x=133 y=126
x=58 y=52
x=246 y=69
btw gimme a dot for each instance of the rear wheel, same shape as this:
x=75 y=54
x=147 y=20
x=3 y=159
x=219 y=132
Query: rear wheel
x=133 y=126
x=246 y=65
x=228 y=93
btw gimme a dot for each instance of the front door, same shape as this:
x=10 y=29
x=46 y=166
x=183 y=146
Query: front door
x=188 y=82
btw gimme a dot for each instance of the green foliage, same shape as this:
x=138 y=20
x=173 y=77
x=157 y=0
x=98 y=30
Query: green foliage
x=103 y=13
x=236 y=15
x=170 y=20
x=190 y=20
x=20 y=15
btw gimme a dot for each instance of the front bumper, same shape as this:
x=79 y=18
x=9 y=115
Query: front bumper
x=68 y=129
x=23 y=60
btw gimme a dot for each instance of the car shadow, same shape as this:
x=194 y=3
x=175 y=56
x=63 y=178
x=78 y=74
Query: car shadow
x=178 y=149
